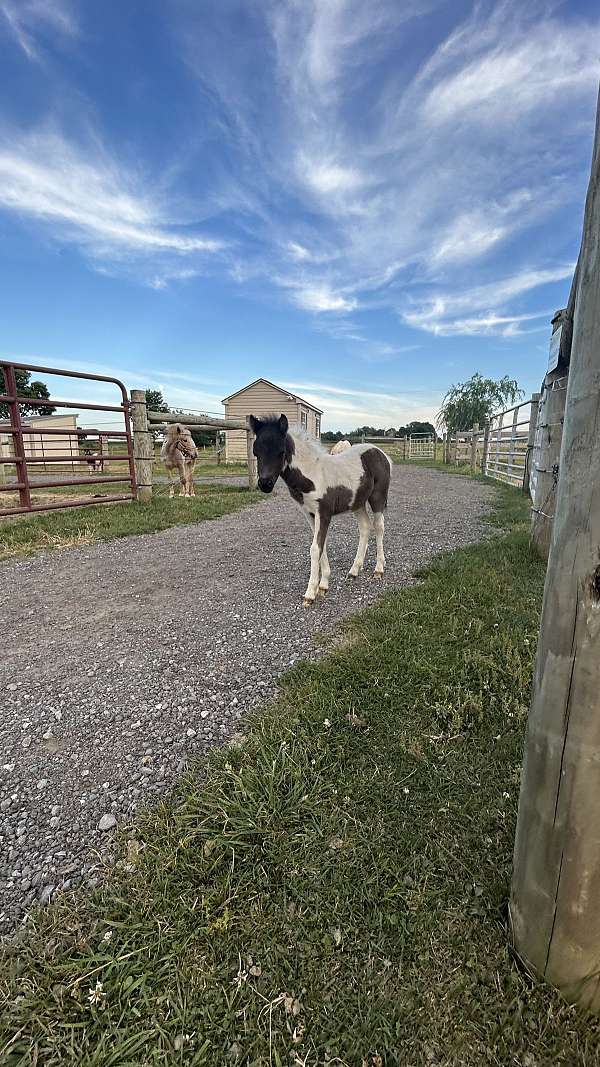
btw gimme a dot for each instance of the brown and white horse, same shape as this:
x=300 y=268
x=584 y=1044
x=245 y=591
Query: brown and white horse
x=325 y=485
x=179 y=455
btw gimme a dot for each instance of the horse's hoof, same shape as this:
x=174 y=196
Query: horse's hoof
x=323 y=590
x=307 y=602
x=378 y=574
x=353 y=574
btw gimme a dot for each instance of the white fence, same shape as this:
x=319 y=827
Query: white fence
x=421 y=446
x=509 y=444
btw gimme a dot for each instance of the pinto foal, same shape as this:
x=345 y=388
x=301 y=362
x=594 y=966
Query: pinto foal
x=325 y=485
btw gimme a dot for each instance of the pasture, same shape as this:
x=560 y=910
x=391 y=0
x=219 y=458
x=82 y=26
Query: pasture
x=331 y=887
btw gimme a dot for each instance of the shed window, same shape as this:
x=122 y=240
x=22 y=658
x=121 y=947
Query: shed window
x=317 y=426
x=304 y=420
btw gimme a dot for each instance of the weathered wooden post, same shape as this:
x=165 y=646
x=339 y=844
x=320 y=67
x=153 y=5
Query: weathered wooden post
x=533 y=421
x=556 y=881
x=143 y=445
x=252 y=471
x=405 y=448
x=486 y=447
x=217 y=448
x=447 y=446
x=474 y=444
x=548 y=438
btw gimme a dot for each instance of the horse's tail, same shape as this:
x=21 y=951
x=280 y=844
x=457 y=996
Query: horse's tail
x=379 y=465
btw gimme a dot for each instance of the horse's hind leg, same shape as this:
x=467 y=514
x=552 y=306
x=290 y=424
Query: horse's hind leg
x=364 y=529
x=325 y=570
x=379 y=524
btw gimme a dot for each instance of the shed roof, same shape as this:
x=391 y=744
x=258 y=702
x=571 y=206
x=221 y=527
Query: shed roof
x=285 y=392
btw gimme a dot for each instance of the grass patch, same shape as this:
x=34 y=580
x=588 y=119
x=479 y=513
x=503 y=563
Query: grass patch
x=333 y=889
x=24 y=536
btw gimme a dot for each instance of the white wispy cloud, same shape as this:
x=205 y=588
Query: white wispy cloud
x=401 y=173
x=346 y=408
x=89 y=199
x=28 y=21
x=479 y=311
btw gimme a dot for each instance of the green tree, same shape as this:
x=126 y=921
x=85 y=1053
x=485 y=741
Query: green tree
x=25 y=387
x=155 y=401
x=420 y=427
x=476 y=400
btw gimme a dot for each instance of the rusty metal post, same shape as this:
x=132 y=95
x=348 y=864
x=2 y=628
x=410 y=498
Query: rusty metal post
x=10 y=384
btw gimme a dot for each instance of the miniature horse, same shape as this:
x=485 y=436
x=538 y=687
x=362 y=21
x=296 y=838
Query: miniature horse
x=179 y=453
x=325 y=485
x=340 y=446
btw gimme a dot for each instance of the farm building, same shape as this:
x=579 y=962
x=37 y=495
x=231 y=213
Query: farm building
x=42 y=444
x=264 y=398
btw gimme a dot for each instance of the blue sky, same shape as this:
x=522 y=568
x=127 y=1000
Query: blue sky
x=363 y=201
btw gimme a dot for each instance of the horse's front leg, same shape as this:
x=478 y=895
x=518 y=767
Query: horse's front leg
x=320 y=528
x=192 y=491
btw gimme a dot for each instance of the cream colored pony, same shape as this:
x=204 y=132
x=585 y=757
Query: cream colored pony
x=340 y=446
x=179 y=454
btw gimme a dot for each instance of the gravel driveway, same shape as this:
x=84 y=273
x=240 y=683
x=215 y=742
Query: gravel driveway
x=121 y=660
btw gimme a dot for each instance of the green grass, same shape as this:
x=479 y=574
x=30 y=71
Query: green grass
x=332 y=889
x=77 y=526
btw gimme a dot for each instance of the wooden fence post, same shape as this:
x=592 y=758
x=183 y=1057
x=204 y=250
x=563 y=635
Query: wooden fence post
x=533 y=421
x=143 y=445
x=405 y=448
x=447 y=447
x=474 y=445
x=252 y=472
x=486 y=447
x=217 y=448
x=546 y=457
x=556 y=881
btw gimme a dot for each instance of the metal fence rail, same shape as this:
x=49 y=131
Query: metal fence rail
x=21 y=452
x=508 y=450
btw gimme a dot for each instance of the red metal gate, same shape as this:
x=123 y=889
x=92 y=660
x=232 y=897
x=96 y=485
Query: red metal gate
x=23 y=459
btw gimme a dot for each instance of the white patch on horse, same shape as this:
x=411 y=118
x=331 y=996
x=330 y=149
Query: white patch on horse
x=324 y=485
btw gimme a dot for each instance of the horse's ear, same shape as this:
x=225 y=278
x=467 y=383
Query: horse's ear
x=255 y=425
x=283 y=424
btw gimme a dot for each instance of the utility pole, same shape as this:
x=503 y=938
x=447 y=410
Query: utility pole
x=555 y=895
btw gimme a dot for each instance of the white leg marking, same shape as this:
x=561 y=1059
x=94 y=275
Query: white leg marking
x=315 y=558
x=379 y=524
x=364 y=529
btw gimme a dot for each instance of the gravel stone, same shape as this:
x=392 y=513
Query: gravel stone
x=107 y=822
x=158 y=646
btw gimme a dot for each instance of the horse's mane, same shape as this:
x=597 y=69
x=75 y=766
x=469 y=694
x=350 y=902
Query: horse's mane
x=175 y=431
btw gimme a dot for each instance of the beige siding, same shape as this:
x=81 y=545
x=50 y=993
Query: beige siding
x=41 y=445
x=258 y=399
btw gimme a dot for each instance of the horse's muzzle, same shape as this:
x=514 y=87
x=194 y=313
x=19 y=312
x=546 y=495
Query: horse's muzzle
x=266 y=485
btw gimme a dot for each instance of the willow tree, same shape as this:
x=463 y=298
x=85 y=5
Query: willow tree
x=555 y=899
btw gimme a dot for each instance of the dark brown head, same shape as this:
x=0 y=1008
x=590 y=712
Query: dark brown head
x=273 y=449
